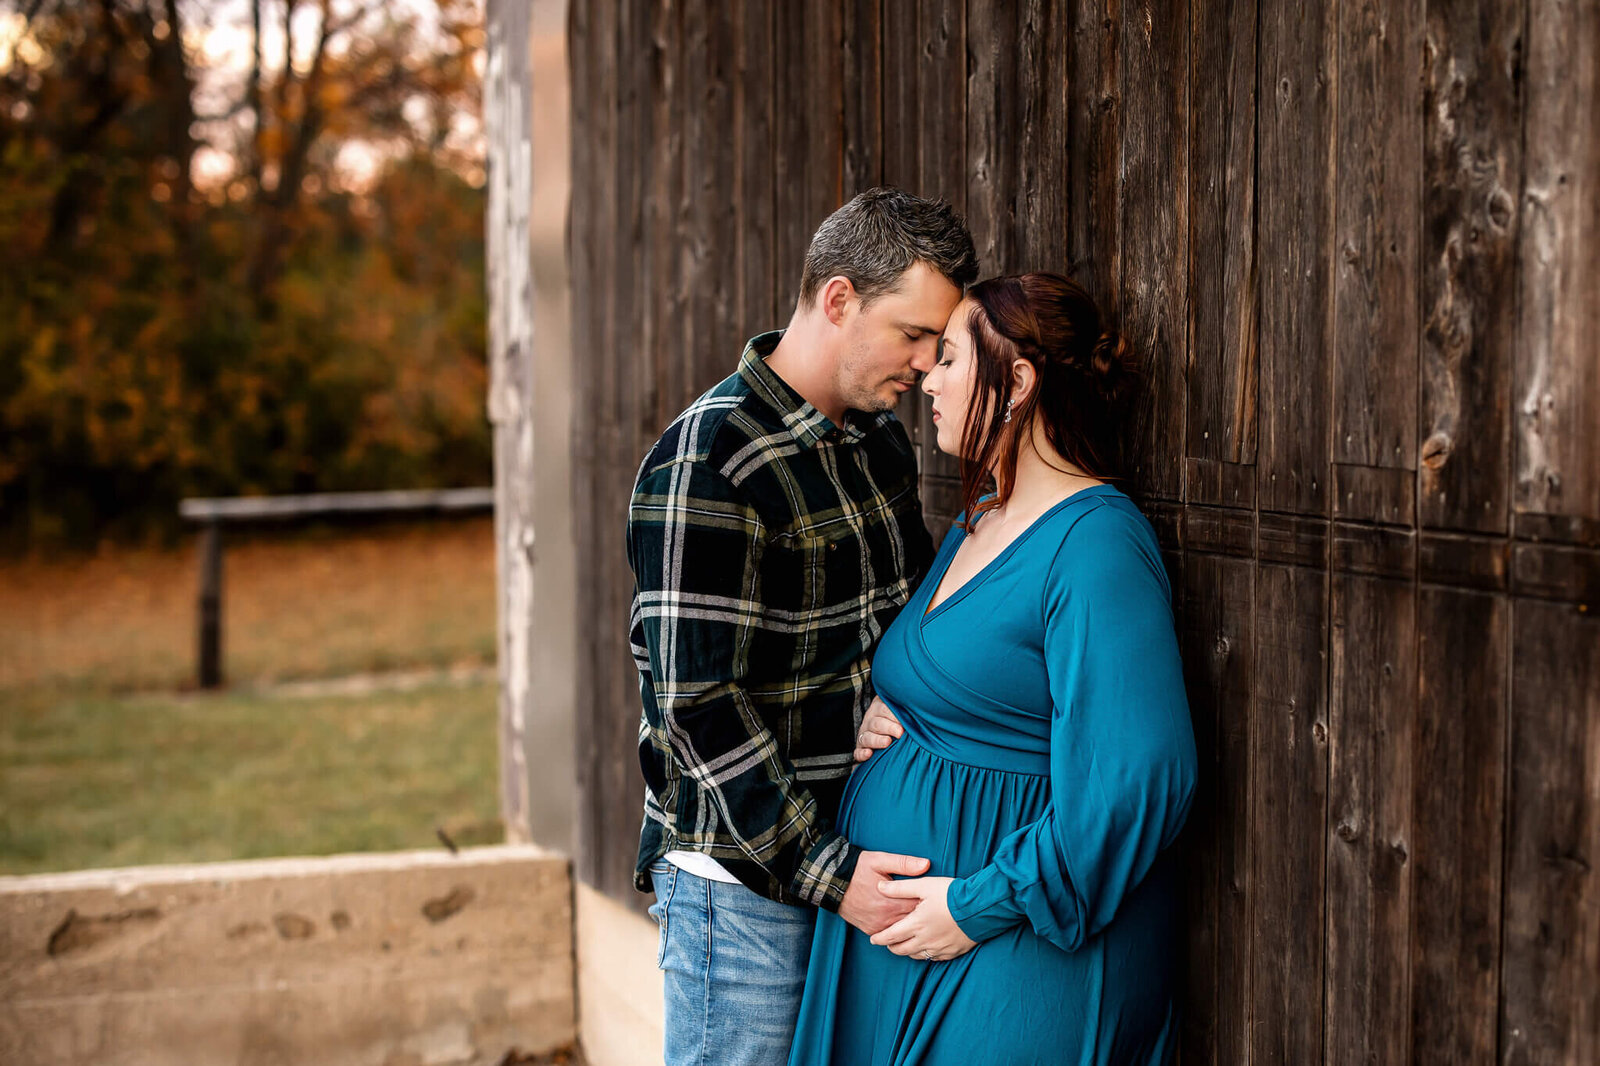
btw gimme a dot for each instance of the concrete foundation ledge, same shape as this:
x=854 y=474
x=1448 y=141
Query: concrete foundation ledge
x=403 y=959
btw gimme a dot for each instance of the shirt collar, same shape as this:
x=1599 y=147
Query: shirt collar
x=809 y=425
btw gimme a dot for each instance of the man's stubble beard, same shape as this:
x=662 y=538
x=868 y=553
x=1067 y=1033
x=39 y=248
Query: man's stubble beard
x=860 y=394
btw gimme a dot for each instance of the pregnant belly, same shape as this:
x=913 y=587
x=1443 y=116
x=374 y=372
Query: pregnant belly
x=909 y=801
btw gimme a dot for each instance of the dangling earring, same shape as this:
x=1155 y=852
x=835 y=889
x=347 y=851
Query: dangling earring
x=1009 y=405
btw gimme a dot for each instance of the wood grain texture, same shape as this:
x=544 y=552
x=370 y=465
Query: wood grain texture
x=1557 y=397
x=1094 y=133
x=508 y=120
x=1356 y=241
x=861 y=74
x=1294 y=215
x=1222 y=358
x=1288 y=806
x=941 y=124
x=1378 y=138
x=1043 y=55
x=1155 y=234
x=1472 y=180
x=1373 y=645
x=755 y=191
x=1463 y=650
x=996 y=83
x=1549 y=998
x=1218 y=631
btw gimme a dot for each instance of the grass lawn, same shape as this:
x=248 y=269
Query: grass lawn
x=106 y=758
x=95 y=780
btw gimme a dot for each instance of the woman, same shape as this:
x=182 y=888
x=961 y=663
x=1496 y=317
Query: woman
x=1045 y=757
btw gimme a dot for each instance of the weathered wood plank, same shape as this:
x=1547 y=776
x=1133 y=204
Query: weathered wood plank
x=1458 y=796
x=821 y=48
x=1378 y=213
x=942 y=172
x=901 y=49
x=1288 y=806
x=1386 y=494
x=1294 y=214
x=1154 y=88
x=1373 y=646
x=711 y=337
x=942 y=104
x=1044 y=43
x=1222 y=359
x=1557 y=375
x=898 y=129
x=632 y=243
x=755 y=191
x=508 y=122
x=1472 y=177
x=1094 y=132
x=1219 y=644
x=862 y=80
x=615 y=713
x=582 y=251
x=794 y=218
x=1549 y=997
x=993 y=122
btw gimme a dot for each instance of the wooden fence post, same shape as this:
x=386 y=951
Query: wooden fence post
x=211 y=605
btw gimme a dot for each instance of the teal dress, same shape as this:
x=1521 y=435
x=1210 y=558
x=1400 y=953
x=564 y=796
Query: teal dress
x=1047 y=764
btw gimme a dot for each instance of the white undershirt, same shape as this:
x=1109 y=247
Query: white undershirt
x=701 y=865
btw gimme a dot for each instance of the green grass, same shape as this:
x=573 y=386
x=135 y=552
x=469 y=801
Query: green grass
x=89 y=779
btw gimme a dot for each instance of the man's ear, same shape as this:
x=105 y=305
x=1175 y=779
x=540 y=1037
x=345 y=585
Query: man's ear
x=837 y=298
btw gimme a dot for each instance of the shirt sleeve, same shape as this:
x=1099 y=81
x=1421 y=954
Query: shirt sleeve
x=1122 y=753
x=696 y=547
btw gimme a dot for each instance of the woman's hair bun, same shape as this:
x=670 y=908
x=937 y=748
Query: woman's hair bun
x=1111 y=362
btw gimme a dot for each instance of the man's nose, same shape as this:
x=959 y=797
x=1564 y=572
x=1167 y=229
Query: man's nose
x=924 y=359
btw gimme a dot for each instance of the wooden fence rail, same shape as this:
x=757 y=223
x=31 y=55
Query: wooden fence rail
x=213 y=513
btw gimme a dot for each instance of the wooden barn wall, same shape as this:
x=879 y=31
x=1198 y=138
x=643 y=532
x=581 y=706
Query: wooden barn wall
x=1357 y=242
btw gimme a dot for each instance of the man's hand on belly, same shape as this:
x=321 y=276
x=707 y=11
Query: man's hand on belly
x=864 y=906
x=879 y=728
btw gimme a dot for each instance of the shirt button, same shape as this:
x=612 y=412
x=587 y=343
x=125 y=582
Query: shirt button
x=832 y=545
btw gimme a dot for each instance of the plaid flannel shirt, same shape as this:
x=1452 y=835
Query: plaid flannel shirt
x=770 y=550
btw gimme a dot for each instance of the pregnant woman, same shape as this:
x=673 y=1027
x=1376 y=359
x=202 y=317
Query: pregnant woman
x=1044 y=758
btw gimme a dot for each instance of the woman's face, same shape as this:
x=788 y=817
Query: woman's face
x=950 y=381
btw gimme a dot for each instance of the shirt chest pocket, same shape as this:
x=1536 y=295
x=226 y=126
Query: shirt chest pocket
x=813 y=580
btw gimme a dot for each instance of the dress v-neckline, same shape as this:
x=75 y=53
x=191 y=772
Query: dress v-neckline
x=930 y=610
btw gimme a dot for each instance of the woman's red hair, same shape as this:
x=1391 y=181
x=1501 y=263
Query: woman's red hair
x=1086 y=376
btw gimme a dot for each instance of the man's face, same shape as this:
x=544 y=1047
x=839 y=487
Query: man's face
x=894 y=339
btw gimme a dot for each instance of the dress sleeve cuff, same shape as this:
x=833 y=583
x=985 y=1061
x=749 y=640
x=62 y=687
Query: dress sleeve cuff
x=983 y=905
x=825 y=871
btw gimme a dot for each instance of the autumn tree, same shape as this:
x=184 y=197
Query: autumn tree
x=235 y=276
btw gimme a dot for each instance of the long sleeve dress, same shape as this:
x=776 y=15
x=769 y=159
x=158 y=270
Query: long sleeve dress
x=1048 y=761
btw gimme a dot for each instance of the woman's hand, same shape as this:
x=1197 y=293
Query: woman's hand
x=928 y=932
x=879 y=728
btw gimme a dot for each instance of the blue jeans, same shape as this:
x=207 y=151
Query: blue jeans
x=735 y=966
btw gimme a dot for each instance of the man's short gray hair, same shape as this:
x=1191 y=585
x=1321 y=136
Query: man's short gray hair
x=876 y=237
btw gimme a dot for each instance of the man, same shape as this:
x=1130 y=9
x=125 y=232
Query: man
x=774 y=532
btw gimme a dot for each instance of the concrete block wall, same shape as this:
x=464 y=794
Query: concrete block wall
x=406 y=959
x=619 y=987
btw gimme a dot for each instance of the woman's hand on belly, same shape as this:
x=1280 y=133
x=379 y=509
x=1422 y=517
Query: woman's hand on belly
x=879 y=729
x=928 y=932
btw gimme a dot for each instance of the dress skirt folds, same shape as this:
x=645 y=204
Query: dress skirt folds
x=1047 y=763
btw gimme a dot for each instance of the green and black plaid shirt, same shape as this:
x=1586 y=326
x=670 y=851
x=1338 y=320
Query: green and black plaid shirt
x=770 y=550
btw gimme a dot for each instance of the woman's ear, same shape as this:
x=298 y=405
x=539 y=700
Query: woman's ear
x=1024 y=377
